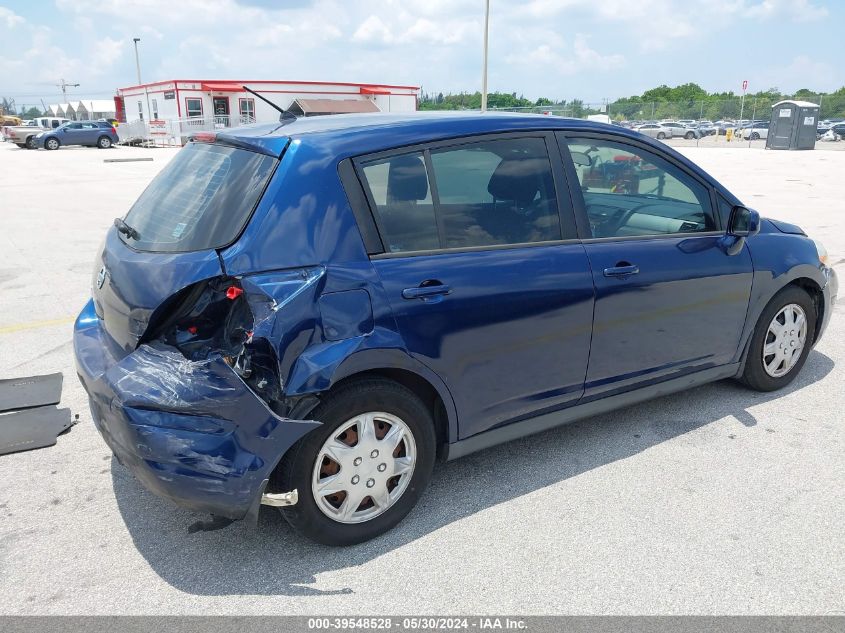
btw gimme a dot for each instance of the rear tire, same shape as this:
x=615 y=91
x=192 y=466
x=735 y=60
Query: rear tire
x=754 y=136
x=755 y=374
x=104 y=142
x=306 y=465
x=689 y=136
x=660 y=136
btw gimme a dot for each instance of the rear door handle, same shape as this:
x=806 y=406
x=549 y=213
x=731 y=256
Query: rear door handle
x=424 y=292
x=621 y=271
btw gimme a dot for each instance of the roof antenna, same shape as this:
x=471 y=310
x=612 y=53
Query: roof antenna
x=285 y=117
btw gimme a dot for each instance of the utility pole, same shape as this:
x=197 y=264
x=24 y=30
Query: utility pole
x=138 y=68
x=484 y=58
x=64 y=86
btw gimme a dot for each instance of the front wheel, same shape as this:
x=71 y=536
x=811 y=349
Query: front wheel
x=30 y=142
x=782 y=340
x=660 y=136
x=689 y=136
x=104 y=142
x=360 y=473
x=755 y=136
x=51 y=143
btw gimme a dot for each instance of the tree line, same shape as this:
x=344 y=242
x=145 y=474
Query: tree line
x=687 y=101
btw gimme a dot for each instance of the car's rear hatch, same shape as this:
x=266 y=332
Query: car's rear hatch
x=199 y=203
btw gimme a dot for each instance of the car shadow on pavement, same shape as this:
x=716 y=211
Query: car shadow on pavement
x=271 y=559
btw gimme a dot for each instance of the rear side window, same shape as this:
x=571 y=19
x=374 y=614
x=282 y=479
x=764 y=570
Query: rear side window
x=493 y=192
x=201 y=200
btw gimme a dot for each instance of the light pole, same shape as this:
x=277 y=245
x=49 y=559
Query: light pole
x=138 y=69
x=484 y=59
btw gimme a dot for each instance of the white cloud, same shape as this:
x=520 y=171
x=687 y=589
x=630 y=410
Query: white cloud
x=582 y=58
x=373 y=30
x=10 y=18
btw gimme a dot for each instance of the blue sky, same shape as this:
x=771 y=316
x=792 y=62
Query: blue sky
x=588 y=49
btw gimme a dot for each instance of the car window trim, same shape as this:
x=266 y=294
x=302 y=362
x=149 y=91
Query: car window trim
x=580 y=208
x=559 y=179
x=473 y=249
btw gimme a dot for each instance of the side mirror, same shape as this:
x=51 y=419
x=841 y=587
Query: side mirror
x=744 y=222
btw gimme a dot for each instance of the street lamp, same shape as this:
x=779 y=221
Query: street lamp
x=138 y=69
x=484 y=58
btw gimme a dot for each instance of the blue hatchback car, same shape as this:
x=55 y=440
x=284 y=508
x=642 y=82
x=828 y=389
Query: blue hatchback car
x=306 y=315
x=93 y=133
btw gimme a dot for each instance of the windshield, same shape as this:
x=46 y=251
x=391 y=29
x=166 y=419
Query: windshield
x=202 y=199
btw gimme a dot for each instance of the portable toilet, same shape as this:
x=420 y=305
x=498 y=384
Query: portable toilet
x=793 y=125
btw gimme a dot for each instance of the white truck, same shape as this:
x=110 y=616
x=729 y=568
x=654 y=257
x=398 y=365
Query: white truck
x=24 y=135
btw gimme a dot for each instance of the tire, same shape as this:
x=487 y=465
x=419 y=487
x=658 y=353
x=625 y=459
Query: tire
x=52 y=143
x=660 y=136
x=689 y=136
x=30 y=142
x=21 y=145
x=104 y=142
x=754 y=136
x=755 y=374
x=299 y=469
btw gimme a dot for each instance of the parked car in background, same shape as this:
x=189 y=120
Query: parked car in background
x=722 y=127
x=681 y=131
x=755 y=131
x=655 y=130
x=92 y=133
x=24 y=135
x=687 y=122
x=838 y=129
x=707 y=129
x=245 y=347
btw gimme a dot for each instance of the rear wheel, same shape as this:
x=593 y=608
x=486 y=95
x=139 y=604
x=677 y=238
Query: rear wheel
x=689 y=135
x=104 y=142
x=660 y=136
x=360 y=473
x=754 y=136
x=782 y=340
x=51 y=143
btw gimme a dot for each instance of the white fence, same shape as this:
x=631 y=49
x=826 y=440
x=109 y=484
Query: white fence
x=176 y=131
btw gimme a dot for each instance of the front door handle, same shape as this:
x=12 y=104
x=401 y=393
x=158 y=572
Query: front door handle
x=426 y=292
x=621 y=271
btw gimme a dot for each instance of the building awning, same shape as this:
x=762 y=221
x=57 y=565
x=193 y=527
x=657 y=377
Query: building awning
x=310 y=107
x=222 y=87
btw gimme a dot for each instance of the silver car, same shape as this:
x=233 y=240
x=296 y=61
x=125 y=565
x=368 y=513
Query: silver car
x=655 y=130
x=682 y=131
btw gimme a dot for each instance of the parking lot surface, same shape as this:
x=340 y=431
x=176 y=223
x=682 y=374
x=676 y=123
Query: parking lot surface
x=718 y=500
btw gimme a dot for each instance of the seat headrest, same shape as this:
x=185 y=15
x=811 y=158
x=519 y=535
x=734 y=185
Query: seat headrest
x=406 y=179
x=517 y=179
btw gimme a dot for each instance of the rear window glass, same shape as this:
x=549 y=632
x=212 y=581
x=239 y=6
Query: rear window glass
x=200 y=200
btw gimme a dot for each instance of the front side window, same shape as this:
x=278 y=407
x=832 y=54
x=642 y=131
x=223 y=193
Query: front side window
x=630 y=191
x=487 y=193
x=193 y=107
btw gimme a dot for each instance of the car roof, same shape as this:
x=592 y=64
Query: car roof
x=351 y=134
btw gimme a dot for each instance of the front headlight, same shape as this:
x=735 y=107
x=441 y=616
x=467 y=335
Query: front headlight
x=822 y=251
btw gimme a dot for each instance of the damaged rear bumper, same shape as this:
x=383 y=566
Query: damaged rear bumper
x=191 y=432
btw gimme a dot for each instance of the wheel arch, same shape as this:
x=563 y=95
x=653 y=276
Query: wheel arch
x=396 y=365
